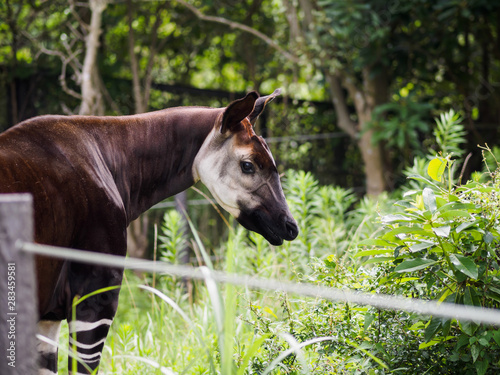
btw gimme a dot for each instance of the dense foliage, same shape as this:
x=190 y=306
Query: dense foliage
x=391 y=54
x=435 y=240
x=435 y=243
x=375 y=70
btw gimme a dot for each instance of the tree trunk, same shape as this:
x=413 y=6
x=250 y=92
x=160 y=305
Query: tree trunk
x=364 y=101
x=373 y=161
x=375 y=92
x=137 y=234
x=91 y=100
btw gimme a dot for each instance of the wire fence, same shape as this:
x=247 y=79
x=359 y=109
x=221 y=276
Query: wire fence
x=381 y=301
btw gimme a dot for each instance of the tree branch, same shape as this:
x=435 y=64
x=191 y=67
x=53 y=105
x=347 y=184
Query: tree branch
x=134 y=66
x=356 y=94
x=240 y=26
x=65 y=60
x=344 y=121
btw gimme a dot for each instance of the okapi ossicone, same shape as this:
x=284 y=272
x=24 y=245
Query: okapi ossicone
x=91 y=176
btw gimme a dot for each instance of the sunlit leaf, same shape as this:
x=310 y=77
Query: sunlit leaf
x=414 y=265
x=377 y=260
x=465 y=225
x=436 y=168
x=464 y=265
x=421 y=246
x=429 y=200
x=443 y=231
x=374 y=242
x=373 y=252
x=269 y=311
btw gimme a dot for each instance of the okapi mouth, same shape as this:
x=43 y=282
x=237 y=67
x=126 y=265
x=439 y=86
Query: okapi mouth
x=274 y=230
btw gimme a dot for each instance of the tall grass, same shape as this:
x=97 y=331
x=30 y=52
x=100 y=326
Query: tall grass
x=230 y=329
x=223 y=332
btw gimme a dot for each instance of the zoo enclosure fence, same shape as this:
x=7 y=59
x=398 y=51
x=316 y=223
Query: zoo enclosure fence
x=18 y=322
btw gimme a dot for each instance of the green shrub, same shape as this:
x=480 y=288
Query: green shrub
x=443 y=244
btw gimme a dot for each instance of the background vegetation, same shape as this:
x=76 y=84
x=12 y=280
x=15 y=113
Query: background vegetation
x=388 y=199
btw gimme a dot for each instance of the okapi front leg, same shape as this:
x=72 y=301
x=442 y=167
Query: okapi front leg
x=87 y=339
x=90 y=318
x=47 y=352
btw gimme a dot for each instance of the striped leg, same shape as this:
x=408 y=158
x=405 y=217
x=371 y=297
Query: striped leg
x=47 y=352
x=90 y=338
x=92 y=316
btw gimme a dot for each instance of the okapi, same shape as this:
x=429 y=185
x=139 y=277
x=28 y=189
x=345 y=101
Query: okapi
x=91 y=176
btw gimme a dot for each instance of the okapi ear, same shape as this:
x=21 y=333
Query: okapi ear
x=260 y=104
x=237 y=111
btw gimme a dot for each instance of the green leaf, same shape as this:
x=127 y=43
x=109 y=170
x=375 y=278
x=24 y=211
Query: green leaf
x=429 y=200
x=436 y=168
x=457 y=206
x=372 y=252
x=496 y=337
x=406 y=279
x=474 y=351
x=462 y=340
x=396 y=219
x=395 y=234
x=442 y=231
x=414 y=265
x=452 y=214
x=488 y=238
x=464 y=265
x=374 y=242
x=421 y=246
x=418 y=325
x=483 y=341
x=469 y=328
x=369 y=318
x=434 y=342
x=470 y=297
x=466 y=225
x=251 y=352
x=377 y=260
x=432 y=328
x=482 y=366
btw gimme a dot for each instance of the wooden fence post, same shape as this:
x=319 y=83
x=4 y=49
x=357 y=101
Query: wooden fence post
x=18 y=308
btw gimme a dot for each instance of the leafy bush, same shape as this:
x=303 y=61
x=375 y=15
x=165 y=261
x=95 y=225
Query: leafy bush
x=443 y=244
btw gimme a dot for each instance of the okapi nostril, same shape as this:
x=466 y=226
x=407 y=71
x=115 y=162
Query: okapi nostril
x=292 y=229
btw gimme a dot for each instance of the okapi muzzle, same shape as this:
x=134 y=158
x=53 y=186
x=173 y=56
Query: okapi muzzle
x=239 y=170
x=272 y=218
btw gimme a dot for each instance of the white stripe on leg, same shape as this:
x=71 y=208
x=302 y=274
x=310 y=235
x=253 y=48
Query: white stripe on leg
x=51 y=330
x=85 y=346
x=78 y=325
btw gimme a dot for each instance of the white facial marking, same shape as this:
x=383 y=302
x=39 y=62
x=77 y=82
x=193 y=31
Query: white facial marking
x=219 y=170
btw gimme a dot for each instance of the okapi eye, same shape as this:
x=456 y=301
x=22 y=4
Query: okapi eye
x=247 y=167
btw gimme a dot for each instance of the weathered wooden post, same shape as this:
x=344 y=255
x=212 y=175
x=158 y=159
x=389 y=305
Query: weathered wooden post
x=18 y=308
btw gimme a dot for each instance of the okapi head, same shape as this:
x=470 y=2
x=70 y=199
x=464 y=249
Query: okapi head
x=238 y=168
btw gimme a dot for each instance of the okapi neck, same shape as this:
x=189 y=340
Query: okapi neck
x=151 y=155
